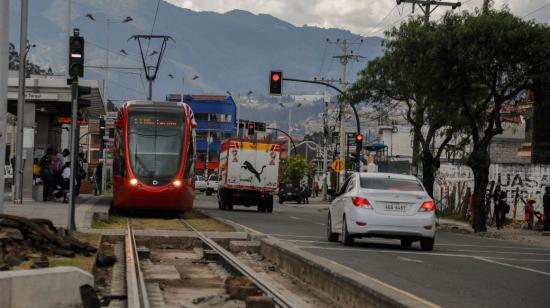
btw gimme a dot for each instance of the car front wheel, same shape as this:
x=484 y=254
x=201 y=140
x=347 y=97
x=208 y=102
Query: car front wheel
x=347 y=239
x=427 y=243
x=406 y=243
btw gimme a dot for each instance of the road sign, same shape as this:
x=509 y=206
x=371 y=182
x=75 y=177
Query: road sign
x=338 y=165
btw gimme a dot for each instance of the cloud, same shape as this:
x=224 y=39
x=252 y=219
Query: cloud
x=359 y=16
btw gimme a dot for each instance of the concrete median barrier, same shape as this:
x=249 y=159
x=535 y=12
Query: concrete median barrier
x=43 y=288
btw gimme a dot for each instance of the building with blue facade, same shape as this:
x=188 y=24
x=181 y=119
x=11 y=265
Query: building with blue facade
x=216 y=118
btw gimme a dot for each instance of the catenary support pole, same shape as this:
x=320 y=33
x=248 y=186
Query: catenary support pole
x=4 y=62
x=18 y=172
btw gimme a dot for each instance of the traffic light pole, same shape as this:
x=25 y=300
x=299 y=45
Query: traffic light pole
x=74 y=154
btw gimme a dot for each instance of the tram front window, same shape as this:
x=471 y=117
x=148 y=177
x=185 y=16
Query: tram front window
x=155 y=144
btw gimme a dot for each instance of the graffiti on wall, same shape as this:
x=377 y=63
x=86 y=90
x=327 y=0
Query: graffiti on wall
x=455 y=182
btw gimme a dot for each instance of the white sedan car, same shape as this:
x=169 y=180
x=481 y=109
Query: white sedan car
x=384 y=205
x=200 y=183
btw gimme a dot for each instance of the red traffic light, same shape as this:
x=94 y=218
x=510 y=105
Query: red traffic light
x=250 y=126
x=359 y=137
x=275 y=82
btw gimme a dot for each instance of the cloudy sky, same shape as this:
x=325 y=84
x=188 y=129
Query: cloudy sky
x=366 y=17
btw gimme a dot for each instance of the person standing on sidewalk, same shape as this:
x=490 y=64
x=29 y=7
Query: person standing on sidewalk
x=98 y=178
x=546 y=206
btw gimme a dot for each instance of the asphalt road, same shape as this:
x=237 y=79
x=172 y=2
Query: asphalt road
x=461 y=271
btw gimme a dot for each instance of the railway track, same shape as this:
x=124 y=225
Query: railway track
x=285 y=300
x=136 y=290
x=135 y=282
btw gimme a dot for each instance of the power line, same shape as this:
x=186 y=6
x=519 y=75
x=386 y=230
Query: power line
x=381 y=21
x=152 y=28
x=540 y=8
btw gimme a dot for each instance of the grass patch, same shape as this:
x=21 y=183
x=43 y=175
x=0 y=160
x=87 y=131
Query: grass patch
x=139 y=223
x=80 y=261
x=204 y=223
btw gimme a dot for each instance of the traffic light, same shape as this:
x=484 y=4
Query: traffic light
x=276 y=82
x=76 y=55
x=359 y=142
x=84 y=102
x=102 y=129
x=251 y=128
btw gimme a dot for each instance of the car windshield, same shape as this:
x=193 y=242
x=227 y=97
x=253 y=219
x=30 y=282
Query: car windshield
x=213 y=178
x=392 y=184
x=155 y=143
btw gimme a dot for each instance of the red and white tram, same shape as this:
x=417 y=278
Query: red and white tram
x=154 y=156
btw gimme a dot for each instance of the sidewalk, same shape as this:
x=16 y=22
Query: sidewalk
x=509 y=233
x=58 y=212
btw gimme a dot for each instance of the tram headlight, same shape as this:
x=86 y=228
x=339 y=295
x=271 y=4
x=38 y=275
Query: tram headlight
x=177 y=183
x=133 y=182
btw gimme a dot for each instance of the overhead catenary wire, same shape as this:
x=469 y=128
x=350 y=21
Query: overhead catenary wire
x=152 y=28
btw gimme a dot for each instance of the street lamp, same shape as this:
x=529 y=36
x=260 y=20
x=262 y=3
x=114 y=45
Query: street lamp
x=107 y=44
x=248 y=94
x=183 y=83
x=290 y=118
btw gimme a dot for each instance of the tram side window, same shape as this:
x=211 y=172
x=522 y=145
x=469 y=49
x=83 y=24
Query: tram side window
x=119 y=168
x=191 y=156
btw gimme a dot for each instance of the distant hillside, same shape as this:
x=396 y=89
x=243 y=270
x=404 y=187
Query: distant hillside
x=229 y=52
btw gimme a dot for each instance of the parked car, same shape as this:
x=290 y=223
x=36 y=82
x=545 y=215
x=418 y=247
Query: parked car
x=212 y=184
x=200 y=183
x=290 y=191
x=383 y=205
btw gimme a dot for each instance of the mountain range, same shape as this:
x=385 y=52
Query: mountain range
x=232 y=51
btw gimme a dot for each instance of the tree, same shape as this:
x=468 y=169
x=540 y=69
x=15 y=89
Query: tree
x=491 y=59
x=406 y=73
x=293 y=168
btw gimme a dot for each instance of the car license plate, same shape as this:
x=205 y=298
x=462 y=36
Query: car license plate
x=395 y=207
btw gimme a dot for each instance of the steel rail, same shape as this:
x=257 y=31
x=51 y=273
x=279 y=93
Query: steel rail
x=135 y=284
x=279 y=299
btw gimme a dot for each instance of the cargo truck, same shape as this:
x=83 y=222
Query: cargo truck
x=249 y=174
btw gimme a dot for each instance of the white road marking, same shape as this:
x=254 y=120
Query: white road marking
x=296 y=218
x=297 y=236
x=513 y=266
x=419 y=253
x=500 y=252
x=409 y=260
x=485 y=246
x=321 y=224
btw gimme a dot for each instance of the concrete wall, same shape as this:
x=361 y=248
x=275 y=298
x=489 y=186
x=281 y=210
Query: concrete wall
x=505 y=151
x=43 y=288
x=453 y=181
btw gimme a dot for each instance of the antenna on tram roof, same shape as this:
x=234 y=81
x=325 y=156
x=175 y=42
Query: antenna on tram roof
x=151 y=71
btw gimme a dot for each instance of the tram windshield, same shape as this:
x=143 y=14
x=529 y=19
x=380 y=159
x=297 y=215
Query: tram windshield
x=155 y=140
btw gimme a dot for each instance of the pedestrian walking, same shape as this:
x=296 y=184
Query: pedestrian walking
x=81 y=172
x=47 y=175
x=305 y=193
x=501 y=208
x=529 y=215
x=98 y=178
x=316 y=189
x=546 y=206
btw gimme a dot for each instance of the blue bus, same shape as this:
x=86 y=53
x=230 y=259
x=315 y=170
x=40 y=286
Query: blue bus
x=216 y=118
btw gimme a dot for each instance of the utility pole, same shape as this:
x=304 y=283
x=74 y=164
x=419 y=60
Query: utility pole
x=427 y=7
x=18 y=174
x=4 y=63
x=486 y=6
x=344 y=57
x=106 y=72
x=68 y=25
